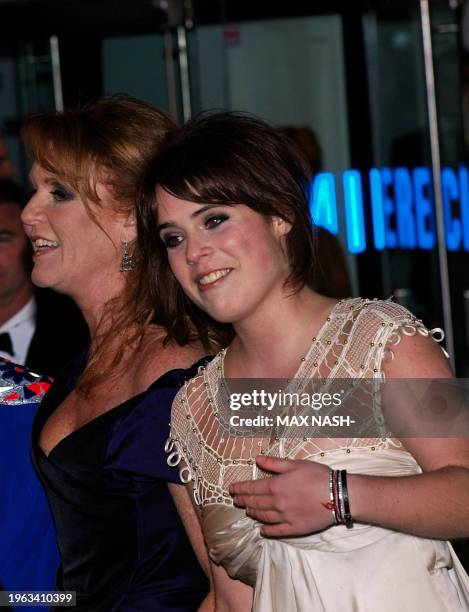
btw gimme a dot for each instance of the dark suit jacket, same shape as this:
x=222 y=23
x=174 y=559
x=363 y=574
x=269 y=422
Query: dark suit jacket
x=60 y=334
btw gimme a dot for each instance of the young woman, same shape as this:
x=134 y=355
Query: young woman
x=225 y=224
x=97 y=435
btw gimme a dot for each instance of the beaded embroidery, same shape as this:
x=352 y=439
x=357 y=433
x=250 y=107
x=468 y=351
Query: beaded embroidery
x=357 y=338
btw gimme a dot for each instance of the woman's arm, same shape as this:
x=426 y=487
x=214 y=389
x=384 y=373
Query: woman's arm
x=188 y=516
x=432 y=504
x=230 y=595
x=191 y=524
x=226 y=594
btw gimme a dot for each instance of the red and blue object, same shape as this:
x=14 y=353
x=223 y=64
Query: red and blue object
x=28 y=549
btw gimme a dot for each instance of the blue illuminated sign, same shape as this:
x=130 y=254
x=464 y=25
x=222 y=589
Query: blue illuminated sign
x=323 y=202
x=355 y=220
x=401 y=207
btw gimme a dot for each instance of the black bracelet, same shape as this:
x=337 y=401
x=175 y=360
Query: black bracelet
x=347 y=518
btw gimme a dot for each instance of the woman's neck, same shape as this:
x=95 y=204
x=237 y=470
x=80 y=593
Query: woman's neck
x=99 y=302
x=272 y=343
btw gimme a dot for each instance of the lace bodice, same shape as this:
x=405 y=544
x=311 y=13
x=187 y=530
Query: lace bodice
x=354 y=342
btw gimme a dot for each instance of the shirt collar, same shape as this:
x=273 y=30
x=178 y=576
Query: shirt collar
x=26 y=313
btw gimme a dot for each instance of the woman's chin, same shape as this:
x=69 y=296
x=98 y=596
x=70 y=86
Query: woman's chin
x=222 y=316
x=41 y=280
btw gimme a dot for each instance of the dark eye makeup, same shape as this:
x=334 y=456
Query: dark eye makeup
x=171 y=241
x=214 y=220
x=61 y=193
x=211 y=221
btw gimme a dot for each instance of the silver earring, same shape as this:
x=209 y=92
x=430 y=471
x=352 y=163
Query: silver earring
x=127 y=261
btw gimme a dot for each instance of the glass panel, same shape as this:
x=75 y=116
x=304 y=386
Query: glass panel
x=401 y=151
x=26 y=88
x=449 y=89
x=136 y=65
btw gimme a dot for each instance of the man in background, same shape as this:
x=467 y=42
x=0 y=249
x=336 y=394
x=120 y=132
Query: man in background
x=38 y=327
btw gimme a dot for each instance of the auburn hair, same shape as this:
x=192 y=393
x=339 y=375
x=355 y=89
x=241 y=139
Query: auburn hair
x=108 y=141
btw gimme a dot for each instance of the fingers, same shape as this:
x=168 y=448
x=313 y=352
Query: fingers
x=275 y=465
x=264 y=516
x=264 y=485
x=279 y=530
x=256 y=502
x=251 y=487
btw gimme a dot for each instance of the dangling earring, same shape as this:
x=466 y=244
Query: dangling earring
x=127 y=261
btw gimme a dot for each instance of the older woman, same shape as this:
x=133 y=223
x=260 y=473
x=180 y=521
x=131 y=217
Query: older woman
x=229 y=204
x=98 y=436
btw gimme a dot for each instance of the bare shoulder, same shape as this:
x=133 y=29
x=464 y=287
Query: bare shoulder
x=171 y=353
x=418 y=356
x=155 y=357
x=183 y=356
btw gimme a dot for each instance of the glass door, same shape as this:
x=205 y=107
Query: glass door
x=29 y=84
x=448 y=33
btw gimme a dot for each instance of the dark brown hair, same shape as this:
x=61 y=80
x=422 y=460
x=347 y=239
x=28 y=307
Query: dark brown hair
x=109 y=141
x=306 y=139
x=225 y=158
x=331 y=277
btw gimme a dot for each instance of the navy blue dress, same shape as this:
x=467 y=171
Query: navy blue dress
x=121 y=542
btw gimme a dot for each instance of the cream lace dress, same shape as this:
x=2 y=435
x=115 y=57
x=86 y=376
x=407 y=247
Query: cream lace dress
x=363 y=569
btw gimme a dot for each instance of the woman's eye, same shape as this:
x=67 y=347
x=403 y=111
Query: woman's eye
x=171 y=241
x=61 y=194
x=214 y=221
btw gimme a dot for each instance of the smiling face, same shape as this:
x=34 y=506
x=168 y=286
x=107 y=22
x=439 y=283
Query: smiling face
x=228 y=259
x=72 y=254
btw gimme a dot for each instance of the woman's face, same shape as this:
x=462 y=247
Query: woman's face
x=72 y=254
x=228 y=259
